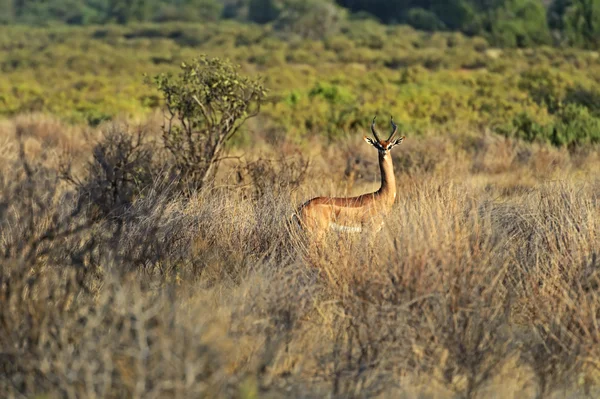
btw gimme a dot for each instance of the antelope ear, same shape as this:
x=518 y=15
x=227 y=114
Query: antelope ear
x=397 y=141
x=370 y=141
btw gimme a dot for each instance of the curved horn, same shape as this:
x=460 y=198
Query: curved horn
x=394 y=127
x=373 y=129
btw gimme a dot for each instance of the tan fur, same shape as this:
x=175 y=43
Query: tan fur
x=355 y=214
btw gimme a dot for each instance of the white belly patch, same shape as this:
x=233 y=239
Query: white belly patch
x=345 y=229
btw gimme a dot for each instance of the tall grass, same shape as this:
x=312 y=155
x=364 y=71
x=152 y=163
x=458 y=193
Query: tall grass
x=483 y=282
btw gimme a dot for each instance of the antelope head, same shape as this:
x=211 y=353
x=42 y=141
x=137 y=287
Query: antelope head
x=384 y=146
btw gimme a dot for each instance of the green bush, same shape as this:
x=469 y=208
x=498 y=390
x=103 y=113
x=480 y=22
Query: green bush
x=332 y=93
x=575 y=126
x=206 y=103
x=546 y=87
x=524 y=127
x=586 y=97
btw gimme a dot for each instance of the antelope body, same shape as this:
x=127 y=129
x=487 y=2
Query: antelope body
x=355 y=214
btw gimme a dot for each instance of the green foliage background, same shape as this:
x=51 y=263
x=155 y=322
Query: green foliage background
x=508 y=23
x=430 y=81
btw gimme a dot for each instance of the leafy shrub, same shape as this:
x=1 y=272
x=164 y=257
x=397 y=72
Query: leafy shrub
x=339 y=44
x=366 y=33
x=526 y=128
x=575 y=126
x=586 y=97
x=546 y=87
x=332 y=93
x=206 y=104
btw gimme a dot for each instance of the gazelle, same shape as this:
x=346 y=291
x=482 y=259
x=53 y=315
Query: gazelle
x=355 y=214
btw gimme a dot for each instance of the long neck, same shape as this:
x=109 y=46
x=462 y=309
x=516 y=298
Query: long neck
x=388 y=181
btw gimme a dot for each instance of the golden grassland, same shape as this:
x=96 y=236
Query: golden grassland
x=483 y=282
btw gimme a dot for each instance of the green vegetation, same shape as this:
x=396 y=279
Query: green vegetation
x=208 y=101
x=329 y=87
x=507 y=23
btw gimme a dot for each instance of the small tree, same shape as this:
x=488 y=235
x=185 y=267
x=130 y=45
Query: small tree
x=206 y=104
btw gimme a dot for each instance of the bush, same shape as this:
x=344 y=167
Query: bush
x=526 y=128
x=37 y=219
x=206 y=104
x=545 y=86
x=332 y=93
x=575 y=126
x=586 y=97
x=272 y=176
x=121 y=169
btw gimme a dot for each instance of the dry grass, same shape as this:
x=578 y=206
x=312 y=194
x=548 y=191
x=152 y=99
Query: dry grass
x=484 y=282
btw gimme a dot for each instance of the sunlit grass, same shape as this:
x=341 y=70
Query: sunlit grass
x=483 y=281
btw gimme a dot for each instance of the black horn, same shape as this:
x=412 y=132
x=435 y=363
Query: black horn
x=394 y=129
x=373 y=129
